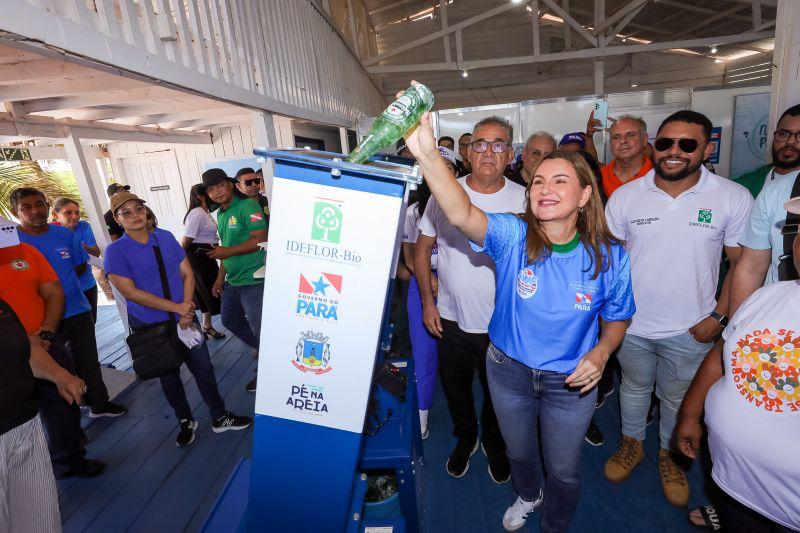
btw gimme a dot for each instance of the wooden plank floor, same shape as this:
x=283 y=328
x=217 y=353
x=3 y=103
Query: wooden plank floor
x=150 y=485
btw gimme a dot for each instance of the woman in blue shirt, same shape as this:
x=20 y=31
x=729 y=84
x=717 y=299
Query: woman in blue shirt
x=67 y=213
x=559 y=272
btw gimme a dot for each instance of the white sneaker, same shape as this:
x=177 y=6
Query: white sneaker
x=516 y=515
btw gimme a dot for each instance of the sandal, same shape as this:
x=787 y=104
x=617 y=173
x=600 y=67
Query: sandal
x=214 y=334
x=711 y=520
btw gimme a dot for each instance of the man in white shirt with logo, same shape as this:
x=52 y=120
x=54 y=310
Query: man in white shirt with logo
x=675 y=222
x=767 y=242
x=460 y=317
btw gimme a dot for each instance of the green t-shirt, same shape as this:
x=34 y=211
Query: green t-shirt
x=754 y=180
x=234 y=225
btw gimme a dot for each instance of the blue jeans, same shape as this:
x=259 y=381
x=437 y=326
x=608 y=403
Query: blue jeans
x=241 y=311
x=670 y=364
x=523 y=399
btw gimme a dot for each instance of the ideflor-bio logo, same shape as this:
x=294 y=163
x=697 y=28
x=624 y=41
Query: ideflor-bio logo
x=327 y=223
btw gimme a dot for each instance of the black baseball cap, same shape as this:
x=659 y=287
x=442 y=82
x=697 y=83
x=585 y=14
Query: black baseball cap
x=114 y=188
x=215 y=176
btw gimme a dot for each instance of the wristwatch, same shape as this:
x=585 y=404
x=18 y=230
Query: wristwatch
x=47 y=335
x=722 y=319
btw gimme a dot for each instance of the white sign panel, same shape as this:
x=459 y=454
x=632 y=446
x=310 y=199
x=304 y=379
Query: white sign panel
x=326 y=279
x=750 y=135
x=8 y=233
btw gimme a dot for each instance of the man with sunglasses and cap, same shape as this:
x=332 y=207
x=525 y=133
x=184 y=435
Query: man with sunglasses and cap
x=460 y=316
x=115 y=231
x=675 y=221
x=241 y=224
x=767 y=243
x=249 y=183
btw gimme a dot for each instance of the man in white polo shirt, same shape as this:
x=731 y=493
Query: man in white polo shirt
x=675 y=221
x=466 y=296
x=767 y=243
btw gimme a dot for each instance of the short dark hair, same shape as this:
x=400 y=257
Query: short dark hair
x=62 y=202
x=690 y=117
x=22 y=192
x=245 y=170
x=446 y=138
x=791 y=112
x=468 y=134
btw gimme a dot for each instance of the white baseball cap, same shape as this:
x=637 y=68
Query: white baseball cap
x=448 y=154
x=793 y=205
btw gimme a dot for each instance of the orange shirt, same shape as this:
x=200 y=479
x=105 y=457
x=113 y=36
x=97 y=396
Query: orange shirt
x=611 y=182
x=22 y=270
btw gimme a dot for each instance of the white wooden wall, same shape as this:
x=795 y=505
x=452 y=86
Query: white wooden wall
x=278 y=55
x=236 y=140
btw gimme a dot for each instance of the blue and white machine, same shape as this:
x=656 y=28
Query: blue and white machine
x=333 y=245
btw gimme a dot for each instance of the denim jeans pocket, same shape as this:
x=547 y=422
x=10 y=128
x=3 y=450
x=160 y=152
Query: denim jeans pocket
x=495 y=356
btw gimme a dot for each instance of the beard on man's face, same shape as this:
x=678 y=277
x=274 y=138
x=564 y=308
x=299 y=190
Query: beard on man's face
x=786 y=157
x=675 y=175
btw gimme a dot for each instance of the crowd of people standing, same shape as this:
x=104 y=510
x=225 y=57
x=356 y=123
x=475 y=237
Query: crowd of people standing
x=538 y=279
x=545 y=282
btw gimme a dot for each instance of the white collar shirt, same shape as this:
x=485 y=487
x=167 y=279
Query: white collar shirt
x=675 y=246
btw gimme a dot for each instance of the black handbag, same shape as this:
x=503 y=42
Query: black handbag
x=786 y=270
x=156 y=349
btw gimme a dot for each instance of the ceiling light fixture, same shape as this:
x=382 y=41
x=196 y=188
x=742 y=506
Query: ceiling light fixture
x=713 y=49
x=718 y=60
x=634 y=84
x=464 y=74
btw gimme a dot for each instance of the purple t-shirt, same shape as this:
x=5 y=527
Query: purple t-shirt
x=130 y=259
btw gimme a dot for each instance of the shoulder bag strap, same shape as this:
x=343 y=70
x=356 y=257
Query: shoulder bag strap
x=790 y=227
x=162 y=272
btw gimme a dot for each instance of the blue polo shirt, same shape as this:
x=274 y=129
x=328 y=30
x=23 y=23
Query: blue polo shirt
x=64 y=252
x=84 y=232
x=136 y=261
x=546 y=312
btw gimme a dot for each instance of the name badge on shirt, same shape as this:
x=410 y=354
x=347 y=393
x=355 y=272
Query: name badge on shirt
x=527 y=283
x=64 y=253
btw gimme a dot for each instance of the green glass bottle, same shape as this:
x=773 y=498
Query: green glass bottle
x=395 y=121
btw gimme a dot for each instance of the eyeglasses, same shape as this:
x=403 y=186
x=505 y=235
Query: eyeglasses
x=498 y=147
x=687 y=146
x=128 y=213
x=784 y=135
x=537 y=153
x=254 y=181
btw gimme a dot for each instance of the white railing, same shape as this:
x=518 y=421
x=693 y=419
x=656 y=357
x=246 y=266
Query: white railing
x=284 y=51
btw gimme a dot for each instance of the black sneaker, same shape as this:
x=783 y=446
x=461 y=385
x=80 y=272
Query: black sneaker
x=230 y=421
x=601 y=397
x=186 y=433
x=85 y=468
x=458 y=462
x=251 y=387
x=499 y=469
x=593 y=435
x=108 y=409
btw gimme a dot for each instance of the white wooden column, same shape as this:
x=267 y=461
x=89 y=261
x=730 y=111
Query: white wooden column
x=343 y=140
x=264 y=137
x=786 y=61
x=90 y=186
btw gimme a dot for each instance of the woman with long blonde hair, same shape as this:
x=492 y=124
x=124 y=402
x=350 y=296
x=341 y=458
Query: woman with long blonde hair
x=560 y=272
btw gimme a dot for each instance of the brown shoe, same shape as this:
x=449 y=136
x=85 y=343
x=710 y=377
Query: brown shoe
x=673 y=480
x=630 y=453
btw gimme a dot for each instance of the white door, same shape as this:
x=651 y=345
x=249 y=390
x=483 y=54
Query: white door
x=155 y=178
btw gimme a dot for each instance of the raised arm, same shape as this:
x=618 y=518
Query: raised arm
x=450 y=196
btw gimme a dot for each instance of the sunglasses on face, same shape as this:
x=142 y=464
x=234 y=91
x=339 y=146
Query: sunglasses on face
x=498 y=147
x=254 y=181
x=687 y=146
